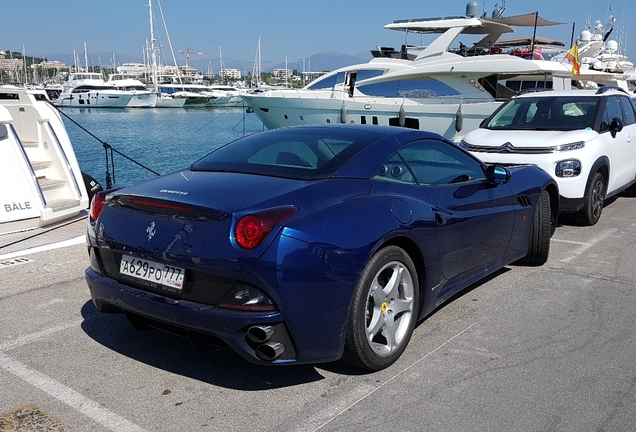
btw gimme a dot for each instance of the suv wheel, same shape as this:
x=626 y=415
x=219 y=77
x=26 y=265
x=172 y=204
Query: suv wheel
x=591 y=211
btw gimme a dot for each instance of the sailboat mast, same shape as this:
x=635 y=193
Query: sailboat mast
x=165 y=26
x=221 y=68
x=24 y=62
x=85 y=57
x=152 y=50
x=256 y=72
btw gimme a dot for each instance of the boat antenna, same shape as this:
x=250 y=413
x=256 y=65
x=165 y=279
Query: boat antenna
x=498 y=12
x=534 y=34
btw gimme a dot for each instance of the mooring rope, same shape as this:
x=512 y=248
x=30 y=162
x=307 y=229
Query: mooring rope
x=107 y=147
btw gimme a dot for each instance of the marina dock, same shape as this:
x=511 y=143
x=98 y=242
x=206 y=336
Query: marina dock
x=541 y=348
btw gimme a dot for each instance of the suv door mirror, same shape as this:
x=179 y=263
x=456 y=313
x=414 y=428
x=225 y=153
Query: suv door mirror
x=496 y=174
x=616 y=126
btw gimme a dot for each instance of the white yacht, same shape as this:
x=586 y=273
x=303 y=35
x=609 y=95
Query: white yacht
x=428 y=88
x=170 y=101
x=600 y=60
x=142 y=96
x=42 y=181
x=226 y=95
x=88 y=89
x=194 y=94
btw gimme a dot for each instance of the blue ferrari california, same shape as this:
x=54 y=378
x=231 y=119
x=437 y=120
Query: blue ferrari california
x=314 y=243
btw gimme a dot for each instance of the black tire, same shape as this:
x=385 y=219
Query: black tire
x=381 y=315
x=591 y=212
x=540 y=233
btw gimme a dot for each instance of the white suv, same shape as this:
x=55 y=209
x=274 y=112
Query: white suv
x=585 y=139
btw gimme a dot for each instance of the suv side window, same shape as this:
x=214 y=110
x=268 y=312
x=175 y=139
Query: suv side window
x=628 y=110
x=612 y=109
x=435 y=162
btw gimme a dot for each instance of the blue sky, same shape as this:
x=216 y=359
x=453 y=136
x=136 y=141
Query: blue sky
x=292 y=29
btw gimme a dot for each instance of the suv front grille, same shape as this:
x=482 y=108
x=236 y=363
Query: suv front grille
x=506 y=148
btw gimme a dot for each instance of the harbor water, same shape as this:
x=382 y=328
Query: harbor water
x=163 y=140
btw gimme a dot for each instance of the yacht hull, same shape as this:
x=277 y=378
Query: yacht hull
x=143 y=100
x=170 y=102
x=95 y=99
x=452 y=119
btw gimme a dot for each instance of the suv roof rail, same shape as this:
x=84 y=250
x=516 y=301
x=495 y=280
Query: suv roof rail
x=607 y=88
x=533 y=90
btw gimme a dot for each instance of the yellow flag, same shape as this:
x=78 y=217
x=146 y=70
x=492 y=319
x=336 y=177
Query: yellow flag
x=573 y=56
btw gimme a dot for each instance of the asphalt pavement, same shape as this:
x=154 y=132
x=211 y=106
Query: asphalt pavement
x=529 y=349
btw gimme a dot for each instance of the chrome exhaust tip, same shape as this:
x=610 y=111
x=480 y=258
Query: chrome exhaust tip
x=270 y=351
x=260 y=334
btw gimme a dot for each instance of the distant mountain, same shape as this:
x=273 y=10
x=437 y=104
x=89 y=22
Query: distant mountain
x=324 y=61
x=317 y=62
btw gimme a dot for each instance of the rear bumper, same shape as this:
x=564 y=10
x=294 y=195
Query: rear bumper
x=195 y=319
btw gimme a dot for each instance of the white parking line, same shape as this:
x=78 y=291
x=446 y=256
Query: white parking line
x=56 y=389
x=584 y=246
x=65 y=394
x=33 y=337
x=329 y=412
x=71 y=242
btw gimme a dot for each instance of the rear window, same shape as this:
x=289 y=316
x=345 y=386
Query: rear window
x=300 y=153
x=559 y=113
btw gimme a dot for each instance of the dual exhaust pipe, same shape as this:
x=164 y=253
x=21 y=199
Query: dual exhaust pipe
x=266 y=350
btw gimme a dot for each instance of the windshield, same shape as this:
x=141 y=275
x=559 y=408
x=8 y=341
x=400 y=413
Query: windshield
x=300 y=153
x=557 y=113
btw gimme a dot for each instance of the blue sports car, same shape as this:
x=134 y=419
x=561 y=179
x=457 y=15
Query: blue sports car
x=314 y=243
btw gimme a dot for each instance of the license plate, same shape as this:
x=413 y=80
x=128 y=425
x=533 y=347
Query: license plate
x=151 y=271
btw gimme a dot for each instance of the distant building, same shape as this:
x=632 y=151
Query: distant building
x=230 y=74
x=188 y=70
x=46 y=64
x=132 y=69
x=8 y=64
x=283 y=73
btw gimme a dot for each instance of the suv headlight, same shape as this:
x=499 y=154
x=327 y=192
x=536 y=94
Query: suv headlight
x=572 y=146
x=568 y=168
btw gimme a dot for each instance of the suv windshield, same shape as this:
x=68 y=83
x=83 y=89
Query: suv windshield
x=558 y=113
x=299 y=153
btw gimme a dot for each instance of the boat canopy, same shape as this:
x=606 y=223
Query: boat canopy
x=526 y=20
x=473 y=25
x=441 y=25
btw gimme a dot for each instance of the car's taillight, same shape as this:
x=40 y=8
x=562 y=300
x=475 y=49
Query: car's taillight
x=97 y=204
x=252 y=229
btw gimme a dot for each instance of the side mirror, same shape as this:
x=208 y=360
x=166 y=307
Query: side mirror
x=496 y=174
x=616 y=126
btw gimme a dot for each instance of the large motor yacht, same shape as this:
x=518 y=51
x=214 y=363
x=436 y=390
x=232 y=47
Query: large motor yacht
x=427 y=87
x=88 y=89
